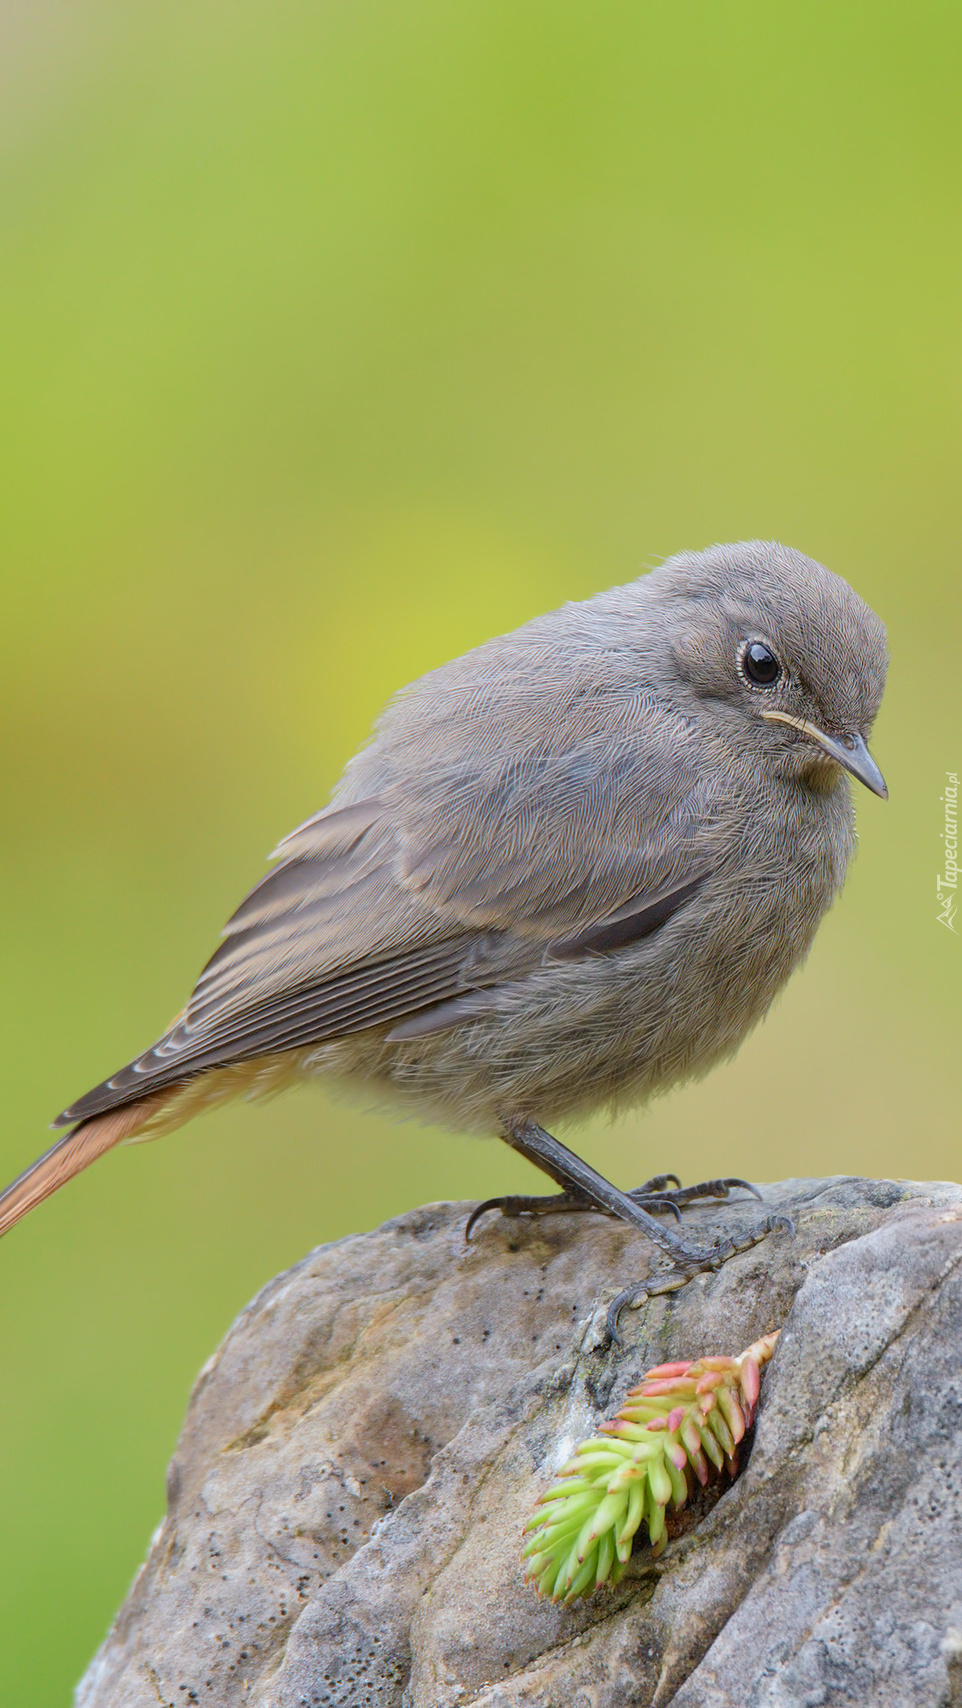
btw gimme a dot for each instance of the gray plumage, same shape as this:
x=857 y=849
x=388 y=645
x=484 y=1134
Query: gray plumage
x=570 y=868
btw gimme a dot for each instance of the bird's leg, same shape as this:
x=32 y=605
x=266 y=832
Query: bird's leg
x=583 y=1188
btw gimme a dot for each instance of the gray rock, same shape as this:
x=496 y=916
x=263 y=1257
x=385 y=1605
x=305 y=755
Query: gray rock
x=359 y=1456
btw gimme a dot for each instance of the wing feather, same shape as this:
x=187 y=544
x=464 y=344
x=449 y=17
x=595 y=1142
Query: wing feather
x=468 y=864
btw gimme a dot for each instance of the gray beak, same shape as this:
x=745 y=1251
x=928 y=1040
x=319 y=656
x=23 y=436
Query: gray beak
x=852 y=754
x=849 y=751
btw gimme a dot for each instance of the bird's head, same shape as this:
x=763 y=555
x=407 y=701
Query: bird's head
x=785 y=648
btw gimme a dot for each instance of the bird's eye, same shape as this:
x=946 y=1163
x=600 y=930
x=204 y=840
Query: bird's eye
x=759 y=664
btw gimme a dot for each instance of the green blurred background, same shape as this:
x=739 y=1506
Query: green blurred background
x=337 y=337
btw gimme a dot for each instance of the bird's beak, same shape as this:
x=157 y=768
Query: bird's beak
x=849 y=751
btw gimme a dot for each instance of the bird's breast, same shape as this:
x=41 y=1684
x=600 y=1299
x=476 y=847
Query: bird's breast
x=614 y=1026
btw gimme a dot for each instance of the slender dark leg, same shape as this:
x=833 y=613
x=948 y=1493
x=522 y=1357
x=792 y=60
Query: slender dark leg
x=591 y=1190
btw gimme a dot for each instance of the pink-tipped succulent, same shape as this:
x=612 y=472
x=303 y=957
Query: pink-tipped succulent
x=680 y=1420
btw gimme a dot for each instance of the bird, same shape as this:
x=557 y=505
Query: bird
x=570 y=869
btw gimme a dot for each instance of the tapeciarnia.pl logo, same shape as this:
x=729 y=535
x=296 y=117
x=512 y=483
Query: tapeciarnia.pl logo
x=947 y=883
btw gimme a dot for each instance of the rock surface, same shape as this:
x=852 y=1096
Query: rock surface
x=358 y=1458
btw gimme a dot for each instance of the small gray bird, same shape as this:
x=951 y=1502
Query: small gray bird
x=571 y=868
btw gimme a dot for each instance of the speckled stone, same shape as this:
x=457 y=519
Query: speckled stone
x=359 y=1456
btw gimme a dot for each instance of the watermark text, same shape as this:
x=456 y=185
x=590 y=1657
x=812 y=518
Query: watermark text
x=947 y=883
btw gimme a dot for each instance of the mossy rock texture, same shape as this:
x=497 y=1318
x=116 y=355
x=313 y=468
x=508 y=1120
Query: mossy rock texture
x=348 y=1495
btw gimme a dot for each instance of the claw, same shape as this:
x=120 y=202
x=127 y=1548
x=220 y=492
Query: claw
x=745 y=1185
x=656 y=1184
x=634 y=1296
x=478 y=1211
x=658 y=1201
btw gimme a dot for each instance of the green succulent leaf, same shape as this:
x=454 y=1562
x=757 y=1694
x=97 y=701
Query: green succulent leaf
x=642 y=1463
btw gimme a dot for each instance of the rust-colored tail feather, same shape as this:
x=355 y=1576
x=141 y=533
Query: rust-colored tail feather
x=73 y=1153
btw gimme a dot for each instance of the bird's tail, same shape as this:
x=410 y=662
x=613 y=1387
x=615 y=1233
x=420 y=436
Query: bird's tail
x=75 y=1152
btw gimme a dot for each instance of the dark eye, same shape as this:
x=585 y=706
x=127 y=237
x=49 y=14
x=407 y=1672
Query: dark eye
x=760 y=664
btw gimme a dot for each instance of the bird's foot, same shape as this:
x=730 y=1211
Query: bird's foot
x=583 y=1188
x=685 y=1269
x=654 y=1196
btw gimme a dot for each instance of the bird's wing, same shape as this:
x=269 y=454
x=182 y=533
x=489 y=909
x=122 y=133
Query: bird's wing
x=459 y=875
x=608 y=804
x=328 y=943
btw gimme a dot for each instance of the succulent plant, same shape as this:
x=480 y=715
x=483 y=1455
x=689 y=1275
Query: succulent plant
x=680 y=1420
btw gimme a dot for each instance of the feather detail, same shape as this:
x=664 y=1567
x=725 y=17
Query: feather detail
x=73 y=1153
